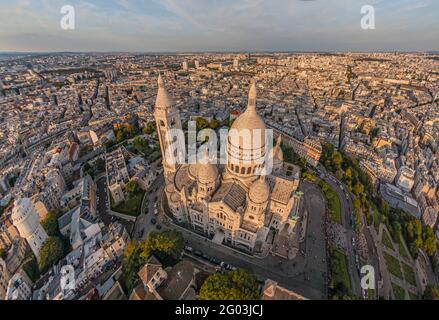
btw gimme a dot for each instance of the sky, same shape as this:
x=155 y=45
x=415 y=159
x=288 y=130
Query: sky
x=219 y=25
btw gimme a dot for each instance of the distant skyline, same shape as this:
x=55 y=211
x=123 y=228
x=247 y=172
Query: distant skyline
x=219 y=25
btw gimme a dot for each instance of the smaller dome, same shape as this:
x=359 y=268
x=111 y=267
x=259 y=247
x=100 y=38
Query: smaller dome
x=259 y=191
x=207 y=172
x=193 y=170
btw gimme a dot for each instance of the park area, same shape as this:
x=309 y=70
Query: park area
x=131 y=205
x=393 y=265
x=340 y=282
x=334 y=206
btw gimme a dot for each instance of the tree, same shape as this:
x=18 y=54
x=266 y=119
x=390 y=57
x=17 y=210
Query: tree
x=150 y=128
x=50 y=223
x=134 y=257
x=129 y=130
x=309 y=176
x=358 y=188
x=429 y=241
x=431 y=293
x=50 y=253
x=234 y=285
x=3 y=253
x=201 y=123
x=100 y=165
x=337 y=159
x=131 y=187
x=327 y=151
x=214 y=124
x=169 y=242
x=119 y=136
x=348 y=173
x=374 y=132
x=88 y=170
x=162 y=244
x=357 y=204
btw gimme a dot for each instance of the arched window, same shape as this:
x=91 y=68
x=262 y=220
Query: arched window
x=162 y=123
x=237 y=169
x=242 y=170
x=249 y=170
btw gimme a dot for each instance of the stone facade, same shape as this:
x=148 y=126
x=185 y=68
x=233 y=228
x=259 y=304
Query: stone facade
x=237 y=203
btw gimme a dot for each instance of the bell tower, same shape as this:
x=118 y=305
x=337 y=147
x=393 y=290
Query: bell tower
x=169 y=130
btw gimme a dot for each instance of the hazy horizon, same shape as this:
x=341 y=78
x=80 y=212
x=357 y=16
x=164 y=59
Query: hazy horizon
x=184 y=26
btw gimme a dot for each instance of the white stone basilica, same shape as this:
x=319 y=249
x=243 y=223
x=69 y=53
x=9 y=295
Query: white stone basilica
x=231 y=203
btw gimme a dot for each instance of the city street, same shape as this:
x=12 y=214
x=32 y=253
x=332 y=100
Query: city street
x=347 y=210
x=103 y=201
x=152 y=196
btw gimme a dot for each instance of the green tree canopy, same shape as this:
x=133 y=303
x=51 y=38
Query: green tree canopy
x=131 y=187
x=100 y=165
x=234 y=285
x=358 y=188
x=50 y=253
x=169 y=242
x=134 y=257
x=214 y=124
x=429 y=243
x=3 y=253
x=201 y=123
x=431 y=293
x=337 y=159
x=357 y=203
x=50 y=223
x=150 y=128
x=162 y=244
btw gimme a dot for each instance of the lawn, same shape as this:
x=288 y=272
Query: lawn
x=131 y=206
x=398 y=292
x=339 y=269
x=333 y=201
x=413 y=296
x=409 y=275
x=393 y=265
x=386 y=240
x=376 y=218
x=31 y=269
x=402 y=250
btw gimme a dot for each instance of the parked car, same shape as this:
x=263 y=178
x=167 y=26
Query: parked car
x=205 y=256
x=260 y=280
x=153 y=221
x=215 y=261
x=198 y=253
x=158 y=227
x=188 y=249
x=229 y=267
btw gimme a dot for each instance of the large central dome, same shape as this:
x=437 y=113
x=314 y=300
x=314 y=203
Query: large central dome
x=246 y=142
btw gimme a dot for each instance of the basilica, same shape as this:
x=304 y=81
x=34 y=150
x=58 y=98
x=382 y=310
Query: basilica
x=232 y=203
